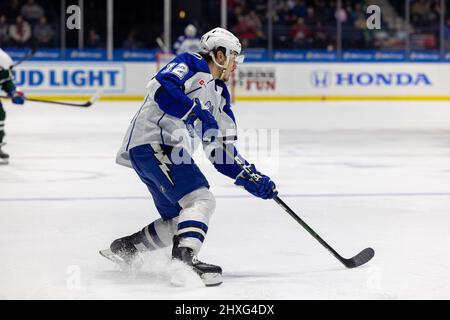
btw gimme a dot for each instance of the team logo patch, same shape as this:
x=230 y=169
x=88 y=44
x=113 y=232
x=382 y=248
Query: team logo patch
x=180 y=70
x=201 y=82
x=169 y=67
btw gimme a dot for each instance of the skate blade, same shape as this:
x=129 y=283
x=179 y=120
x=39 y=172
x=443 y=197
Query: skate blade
x=208 y=280
x=135 y=265
x=108 y=254
x=185 y=275
x=211 y=279
x=3 y=162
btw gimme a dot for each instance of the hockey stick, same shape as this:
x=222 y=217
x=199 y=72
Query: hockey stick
x=161 y=44
x=87 y=104
x=358 y=260
x=28 y=56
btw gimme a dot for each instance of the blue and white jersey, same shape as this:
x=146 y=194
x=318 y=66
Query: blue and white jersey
x=170 y=100
x=187 y=44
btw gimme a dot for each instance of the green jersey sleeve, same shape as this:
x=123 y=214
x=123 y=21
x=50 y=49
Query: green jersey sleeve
x=6 y=81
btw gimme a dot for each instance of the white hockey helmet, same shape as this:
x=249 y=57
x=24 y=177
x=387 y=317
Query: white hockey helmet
x=190 y=30
x=5 y=60
x=219 y=37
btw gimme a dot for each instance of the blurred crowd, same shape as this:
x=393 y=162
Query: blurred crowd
x=33 y=23
x=297 y=24
x=24 y=22
x=301 y=24
x=425 y=17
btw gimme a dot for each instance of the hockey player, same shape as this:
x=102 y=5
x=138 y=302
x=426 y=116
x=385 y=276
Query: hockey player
x=189 y=42
x=188 y=92
x=17 y=97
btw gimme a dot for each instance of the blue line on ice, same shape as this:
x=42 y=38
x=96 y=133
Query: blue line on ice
x=324 y=195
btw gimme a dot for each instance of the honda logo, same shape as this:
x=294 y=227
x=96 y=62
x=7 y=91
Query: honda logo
x=321 y=78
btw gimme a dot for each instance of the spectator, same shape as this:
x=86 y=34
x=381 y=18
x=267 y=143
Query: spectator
x=360 y=21
x=323 y=13
x=237 y=12
x=358 y=33
x=350 y=16
x=447 y=33
x=131 y=42
x=244 y=31
x=341 y=15
x=447 y=29
x=43 y=32
x=381 y=39
x=352 y=13
x=32 y=11
x=284 y=15
x=300 y=9
x=433 y=16
x=310 y=19
x=20 y=32
x=418 y=12
x=401 y=34
x=321 y=40
x=93 y=40
x=254 y=22
x=4 y=36
x=300 y=34
x=254 y=19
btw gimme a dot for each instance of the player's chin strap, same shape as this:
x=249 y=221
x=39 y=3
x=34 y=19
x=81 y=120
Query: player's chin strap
x=224 y=67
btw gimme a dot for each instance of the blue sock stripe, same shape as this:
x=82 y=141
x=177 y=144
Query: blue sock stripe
x=145 y=241
x=154 y=235
x=192 y=234
x=193 y=224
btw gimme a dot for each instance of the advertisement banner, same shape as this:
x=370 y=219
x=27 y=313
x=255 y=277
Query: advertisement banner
x=253 y=81
x=63 y=78
x=342 y=80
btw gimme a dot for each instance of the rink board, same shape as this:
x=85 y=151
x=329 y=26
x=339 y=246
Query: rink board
x=253 y=82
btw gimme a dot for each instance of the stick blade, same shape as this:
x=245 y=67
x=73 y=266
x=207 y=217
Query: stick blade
x=361 y=258
x=93 y=99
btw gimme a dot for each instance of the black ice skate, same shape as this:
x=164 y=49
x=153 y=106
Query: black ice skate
x=4 y=157
x=210 y=274
x=123 y=252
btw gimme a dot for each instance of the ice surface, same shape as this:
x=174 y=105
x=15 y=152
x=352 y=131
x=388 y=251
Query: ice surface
x=361 y=174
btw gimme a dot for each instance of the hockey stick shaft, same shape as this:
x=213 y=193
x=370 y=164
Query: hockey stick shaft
x=28 y=56
x=82 y=105
x=309 y=229
x=286 y=208
x=161 y=44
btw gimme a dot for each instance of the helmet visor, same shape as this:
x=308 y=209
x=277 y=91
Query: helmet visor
x=238 y=58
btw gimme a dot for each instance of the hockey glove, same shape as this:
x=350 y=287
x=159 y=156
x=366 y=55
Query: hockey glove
x=263 y=187
x=209 y=127
x=17 y=97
